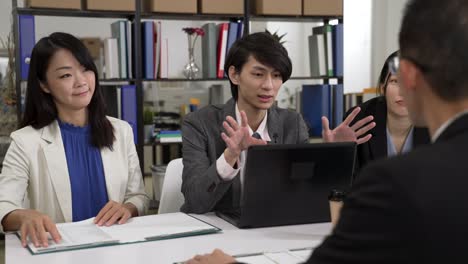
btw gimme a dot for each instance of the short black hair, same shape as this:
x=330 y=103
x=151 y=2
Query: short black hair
x=40 y=109
x=264 y=48
x=383 y=77
x=434 y=37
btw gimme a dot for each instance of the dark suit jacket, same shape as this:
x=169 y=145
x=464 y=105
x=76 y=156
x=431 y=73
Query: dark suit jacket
x=412 y=208
x=203 y=189
x=376 y=148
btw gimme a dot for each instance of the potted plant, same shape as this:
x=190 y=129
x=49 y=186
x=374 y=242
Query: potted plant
x=278 y=37
x=148 y=121
x=8 y=114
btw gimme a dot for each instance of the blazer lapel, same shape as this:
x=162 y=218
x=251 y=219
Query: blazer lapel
x=54 y=154
x=112 y=173
x=275 y=126
x=229 y=109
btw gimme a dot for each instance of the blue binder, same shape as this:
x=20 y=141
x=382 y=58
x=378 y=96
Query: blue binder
x=316 y=102
x=148 y=49
x=129 y=108
x=232 y=35
x=338 y=49
x=240 y=29
x=27 y=41
x=337 y=104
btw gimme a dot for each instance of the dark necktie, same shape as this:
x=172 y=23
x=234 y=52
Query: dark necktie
x=256 y=135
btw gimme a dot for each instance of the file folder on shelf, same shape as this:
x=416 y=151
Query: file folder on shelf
x=316 y=102
x=129 y=108
x=26 y=42
x=148 y=45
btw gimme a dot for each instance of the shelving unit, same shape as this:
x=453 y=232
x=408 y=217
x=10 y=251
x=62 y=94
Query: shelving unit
x=137 y=80
x=71 y=12
x=168 y=16
x=137 y=17
x=186 y=80
x=281 y=18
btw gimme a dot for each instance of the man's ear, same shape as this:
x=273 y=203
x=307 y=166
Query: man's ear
x=44 y=87
x=409 y=75
x=233 y=75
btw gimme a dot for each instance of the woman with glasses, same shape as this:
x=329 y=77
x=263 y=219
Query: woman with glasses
x=393 y=133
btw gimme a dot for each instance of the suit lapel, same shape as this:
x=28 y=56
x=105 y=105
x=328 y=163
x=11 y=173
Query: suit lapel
x=54 y=154
x=459 y=126
x=275 y=126
x=420 y=136
x=229 y=109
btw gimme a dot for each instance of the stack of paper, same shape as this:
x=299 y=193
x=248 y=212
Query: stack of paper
x=86 y=234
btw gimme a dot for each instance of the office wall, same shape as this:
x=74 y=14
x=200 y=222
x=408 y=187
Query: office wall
x=5 y=18
x=371 y=33
x=386 y=22
x=357 y=45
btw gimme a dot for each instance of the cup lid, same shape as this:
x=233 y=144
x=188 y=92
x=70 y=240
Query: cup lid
x=336 y=195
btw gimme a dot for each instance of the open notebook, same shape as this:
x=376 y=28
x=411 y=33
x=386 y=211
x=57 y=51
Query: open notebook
x=86 y=234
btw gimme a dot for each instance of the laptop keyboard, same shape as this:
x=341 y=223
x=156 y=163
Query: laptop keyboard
x=233 y=214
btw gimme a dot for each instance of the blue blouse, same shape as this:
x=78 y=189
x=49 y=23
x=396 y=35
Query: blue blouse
x=88 y=184
x=407 y=145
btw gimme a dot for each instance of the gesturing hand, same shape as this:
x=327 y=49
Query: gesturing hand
x=35 y=225
x=344 y=132
x=217 y=257
x=114 y=211
x=237 y=138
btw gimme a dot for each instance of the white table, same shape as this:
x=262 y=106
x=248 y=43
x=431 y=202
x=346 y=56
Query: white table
x=232 y=240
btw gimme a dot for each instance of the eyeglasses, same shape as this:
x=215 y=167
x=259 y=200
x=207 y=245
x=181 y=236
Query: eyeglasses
x=394 y=64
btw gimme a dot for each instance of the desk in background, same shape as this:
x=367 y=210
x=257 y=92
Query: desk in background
x=232 y=240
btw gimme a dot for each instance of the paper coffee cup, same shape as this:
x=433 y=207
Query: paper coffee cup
x=335 y=208
x=335 y=199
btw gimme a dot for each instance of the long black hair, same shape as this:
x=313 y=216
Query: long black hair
x=40 y=109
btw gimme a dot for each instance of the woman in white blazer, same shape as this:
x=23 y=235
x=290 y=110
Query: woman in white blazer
x=68 y=161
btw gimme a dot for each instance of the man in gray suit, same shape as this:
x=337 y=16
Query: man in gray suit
x=216 y=137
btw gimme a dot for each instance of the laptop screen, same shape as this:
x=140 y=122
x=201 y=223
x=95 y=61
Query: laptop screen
x=290 y=183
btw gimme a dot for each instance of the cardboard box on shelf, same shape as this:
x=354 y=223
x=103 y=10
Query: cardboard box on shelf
x=110 y=5
x=277 y=7
x=323 y=7
x=171 y=6
x=69 y=4
x=222 y=7
x=93 y=45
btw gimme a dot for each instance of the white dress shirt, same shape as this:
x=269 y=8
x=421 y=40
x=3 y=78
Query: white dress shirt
x=225 y=171
x=447 y=123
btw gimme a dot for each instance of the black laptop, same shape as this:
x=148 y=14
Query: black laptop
x=289 y=184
